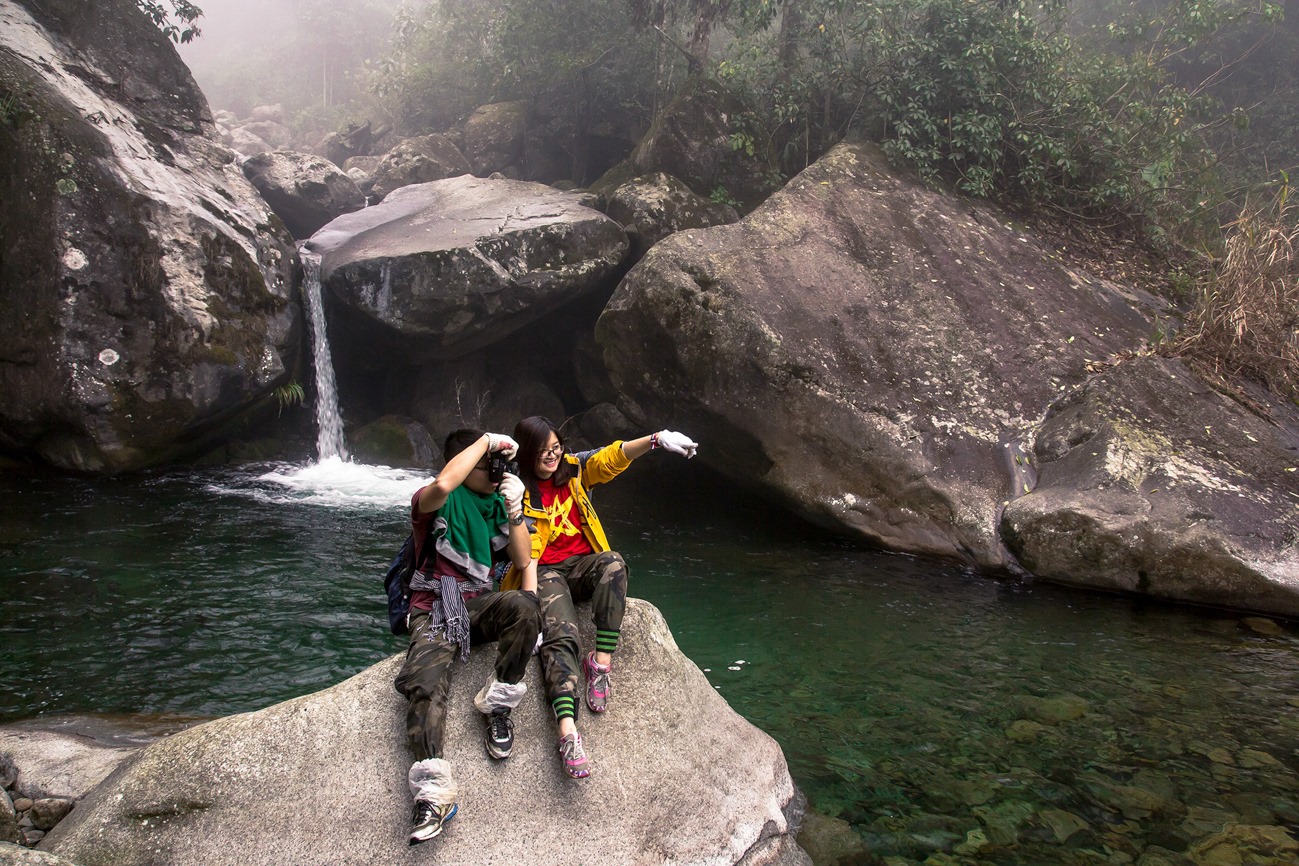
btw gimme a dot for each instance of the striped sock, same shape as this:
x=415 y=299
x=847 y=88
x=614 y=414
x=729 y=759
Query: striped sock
x=565 y=707
x=606 y=640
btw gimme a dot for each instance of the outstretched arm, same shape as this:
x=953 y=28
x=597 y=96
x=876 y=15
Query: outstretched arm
x=668 y=440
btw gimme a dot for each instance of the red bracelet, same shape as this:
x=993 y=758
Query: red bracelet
x=654 y=441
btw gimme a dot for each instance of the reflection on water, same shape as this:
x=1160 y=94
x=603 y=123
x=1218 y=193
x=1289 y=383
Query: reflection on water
x=946 y=718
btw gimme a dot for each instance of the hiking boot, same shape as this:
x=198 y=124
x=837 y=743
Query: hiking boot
x=597 y=683
x=429 y=820
x=573 y=756
x=500 y=734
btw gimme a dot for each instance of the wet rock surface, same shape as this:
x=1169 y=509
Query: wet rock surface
x=153 y=286
x=439 y=269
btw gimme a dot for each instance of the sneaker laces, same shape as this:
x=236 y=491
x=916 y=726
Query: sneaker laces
x=571 y=748
x=501 y=726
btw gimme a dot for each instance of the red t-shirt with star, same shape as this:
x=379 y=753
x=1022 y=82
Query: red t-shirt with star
x=566 y=538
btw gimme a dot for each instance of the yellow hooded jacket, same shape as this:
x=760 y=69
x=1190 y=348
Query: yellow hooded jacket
x=594 y=467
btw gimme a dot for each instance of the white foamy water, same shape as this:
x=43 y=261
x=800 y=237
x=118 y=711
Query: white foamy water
x=332 y=483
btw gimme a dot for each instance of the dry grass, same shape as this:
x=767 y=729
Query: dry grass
x=1246 y=319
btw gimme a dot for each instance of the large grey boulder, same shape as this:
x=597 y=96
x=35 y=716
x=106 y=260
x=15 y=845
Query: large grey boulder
x=653 y=206
x=864 y=349
x=418 y=160
x=1150 y=481
x=438 y=269
x=56 y=764
x=678 y=778
x=147 y=287
x=493 y=137
x=304 y=190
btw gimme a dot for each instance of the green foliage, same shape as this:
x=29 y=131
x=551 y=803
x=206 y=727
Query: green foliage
x=290 y=394
x=721 y=195
x=183 y=28
x=1005 y=99
x=580 y=64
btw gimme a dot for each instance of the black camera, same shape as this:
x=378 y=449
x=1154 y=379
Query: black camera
x=498 y=465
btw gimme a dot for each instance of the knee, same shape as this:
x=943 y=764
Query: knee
x=523 y=608
x=613 y=568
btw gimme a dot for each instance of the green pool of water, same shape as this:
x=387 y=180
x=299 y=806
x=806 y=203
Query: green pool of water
x=936 y=715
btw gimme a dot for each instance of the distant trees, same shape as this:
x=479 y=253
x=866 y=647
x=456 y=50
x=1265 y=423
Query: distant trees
x=1090 y=111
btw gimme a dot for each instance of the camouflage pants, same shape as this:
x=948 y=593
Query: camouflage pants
x=512 y=619
x=600 y=577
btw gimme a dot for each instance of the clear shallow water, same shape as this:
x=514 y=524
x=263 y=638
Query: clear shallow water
x=939 y=714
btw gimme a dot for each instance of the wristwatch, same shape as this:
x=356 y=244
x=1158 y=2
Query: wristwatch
x=516 y=519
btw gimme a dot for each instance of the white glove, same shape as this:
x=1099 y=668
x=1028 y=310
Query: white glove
x=677 y=443
x=511 y=489
x=502 y=443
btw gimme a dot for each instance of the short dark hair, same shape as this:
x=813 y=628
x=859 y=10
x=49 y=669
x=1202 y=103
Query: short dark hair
x=459 y=440
x=532 y=434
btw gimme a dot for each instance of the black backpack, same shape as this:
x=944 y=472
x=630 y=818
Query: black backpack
x=397 y=584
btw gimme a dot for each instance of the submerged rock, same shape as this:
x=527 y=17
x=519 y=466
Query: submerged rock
x=148 y=288
x=678 y=777
x=438 y=269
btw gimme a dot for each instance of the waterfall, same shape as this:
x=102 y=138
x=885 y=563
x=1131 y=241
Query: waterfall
x=329 y=423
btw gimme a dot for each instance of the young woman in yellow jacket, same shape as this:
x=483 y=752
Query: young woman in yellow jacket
x=574 y=564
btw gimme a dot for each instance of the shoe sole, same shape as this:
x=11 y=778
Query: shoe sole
x=497 y=754
x=433 y=830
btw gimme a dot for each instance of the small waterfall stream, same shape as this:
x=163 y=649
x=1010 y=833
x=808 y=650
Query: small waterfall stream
x=329 y=423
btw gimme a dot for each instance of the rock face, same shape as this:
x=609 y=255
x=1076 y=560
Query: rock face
x=441 y=268
x=905 y=339
x=16 y=855
x=321 y=779
x=59 y=765
x=304 y=190
x=651 y=207
x=148 y=287
x=1151 y=482
x=493 y=138
x=418 y=160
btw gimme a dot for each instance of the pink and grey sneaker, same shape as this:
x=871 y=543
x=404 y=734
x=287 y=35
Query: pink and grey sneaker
x=573 y=756
x=597 y=683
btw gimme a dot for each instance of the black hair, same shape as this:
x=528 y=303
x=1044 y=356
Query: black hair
x=532 y=434
x=459 y=440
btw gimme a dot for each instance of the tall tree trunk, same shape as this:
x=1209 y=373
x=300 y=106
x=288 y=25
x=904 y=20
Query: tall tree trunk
x=707 y=14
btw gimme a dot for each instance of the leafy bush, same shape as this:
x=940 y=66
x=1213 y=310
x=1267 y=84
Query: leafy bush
x=1005 y=99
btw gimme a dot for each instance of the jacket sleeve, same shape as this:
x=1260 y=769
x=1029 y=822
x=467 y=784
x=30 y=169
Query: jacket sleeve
x=603 y=464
